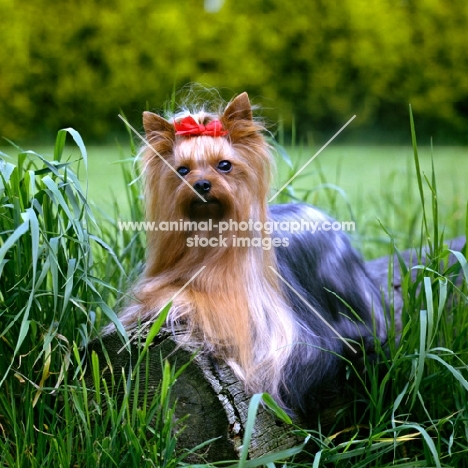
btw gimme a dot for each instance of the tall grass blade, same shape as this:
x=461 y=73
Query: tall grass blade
x=276 y=409
x=418 y=169
x=249 y=427
x=462 y=261
x=11 y=241
x=429 y=308
x=429 y=442
x=455 y=372
x=421 y=357
x=153 y=331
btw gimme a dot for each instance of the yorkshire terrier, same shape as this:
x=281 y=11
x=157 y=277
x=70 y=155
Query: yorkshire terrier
x=281 y=307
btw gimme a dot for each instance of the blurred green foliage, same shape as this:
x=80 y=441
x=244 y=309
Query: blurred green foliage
x=313 y=63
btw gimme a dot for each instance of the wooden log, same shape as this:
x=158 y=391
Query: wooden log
x=211 y=402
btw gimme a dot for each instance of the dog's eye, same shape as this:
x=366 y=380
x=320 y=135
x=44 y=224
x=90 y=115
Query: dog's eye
x=183 y=171
x=224 y=166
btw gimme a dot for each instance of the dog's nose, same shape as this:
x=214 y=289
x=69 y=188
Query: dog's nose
x=202 y=186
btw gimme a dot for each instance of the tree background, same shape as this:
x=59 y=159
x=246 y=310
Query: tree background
x=310 y=64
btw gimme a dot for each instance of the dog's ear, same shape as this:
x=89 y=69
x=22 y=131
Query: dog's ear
x=154 y=123
x=159 y=132
x=238 y=109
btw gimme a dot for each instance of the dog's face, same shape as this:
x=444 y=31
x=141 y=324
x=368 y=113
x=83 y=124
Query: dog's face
x=207 y=177
x=210 y=176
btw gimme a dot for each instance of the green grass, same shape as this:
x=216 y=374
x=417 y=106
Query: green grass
x=377 y=187
x=64 y=264
x=373 y=185
x=103 y=178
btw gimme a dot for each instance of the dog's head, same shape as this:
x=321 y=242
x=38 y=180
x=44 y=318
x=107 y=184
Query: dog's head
x=206 y=166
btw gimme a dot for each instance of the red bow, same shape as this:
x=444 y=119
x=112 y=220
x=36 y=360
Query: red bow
x=188 y=126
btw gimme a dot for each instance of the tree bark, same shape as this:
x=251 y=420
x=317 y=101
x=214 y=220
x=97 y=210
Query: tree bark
x=211 y=402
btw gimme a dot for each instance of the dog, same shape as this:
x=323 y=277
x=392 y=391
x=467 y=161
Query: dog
x=285 y=308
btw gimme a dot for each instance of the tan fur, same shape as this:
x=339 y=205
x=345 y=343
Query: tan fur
x=234 y=307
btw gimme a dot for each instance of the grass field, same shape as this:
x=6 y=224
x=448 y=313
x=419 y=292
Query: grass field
x=373 y=185
x=64 y=266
